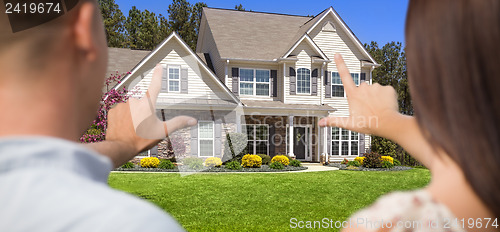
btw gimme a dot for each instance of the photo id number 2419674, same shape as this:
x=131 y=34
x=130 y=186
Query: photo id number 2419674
x=32 y=8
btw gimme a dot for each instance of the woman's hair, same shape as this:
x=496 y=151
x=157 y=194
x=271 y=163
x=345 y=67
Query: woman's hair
x=453 y=55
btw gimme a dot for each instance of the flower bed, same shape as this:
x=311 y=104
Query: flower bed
x=361 y=168
x=263 y=168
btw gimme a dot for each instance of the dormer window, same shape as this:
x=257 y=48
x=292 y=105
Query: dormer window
x=303 y=81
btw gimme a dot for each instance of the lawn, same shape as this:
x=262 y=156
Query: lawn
x=264 y=202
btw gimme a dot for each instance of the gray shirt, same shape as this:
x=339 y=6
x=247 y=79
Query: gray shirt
x=49 y=184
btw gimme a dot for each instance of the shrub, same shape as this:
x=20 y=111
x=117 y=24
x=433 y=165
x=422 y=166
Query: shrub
x=193 y=163
x=387 y=164
x=383 y=146
x=265 y=159
x=233 y=165
x=360 y=159
x=150 y=162
x=128 y=165
x=213 y=162
x=387 y=158
x=354 y=163
x=282 y=159
x=276 y=165
x=251 y=161
x=372 y=160
x=295 y=163
x=397 y=163
x=166 y=164
x=344 y=161
x=235 y=147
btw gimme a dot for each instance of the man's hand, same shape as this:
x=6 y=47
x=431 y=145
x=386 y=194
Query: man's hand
x=133 y=126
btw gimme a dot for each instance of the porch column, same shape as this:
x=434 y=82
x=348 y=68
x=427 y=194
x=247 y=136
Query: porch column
x=325 y=144
x=290 y=136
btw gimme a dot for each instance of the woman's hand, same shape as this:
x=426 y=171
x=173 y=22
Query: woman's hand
x=374 y=110
x=371 y=108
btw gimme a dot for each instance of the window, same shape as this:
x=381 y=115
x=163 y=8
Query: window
x=258 y=137
x=344 y=142
x=254 y=82
x=173 y=79
x=303 y=80
x=206 y=138
x=337 y=87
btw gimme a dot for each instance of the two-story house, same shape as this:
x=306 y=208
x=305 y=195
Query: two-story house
x=271 y=76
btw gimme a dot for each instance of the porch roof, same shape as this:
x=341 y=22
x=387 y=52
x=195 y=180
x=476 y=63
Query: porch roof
x=280 y=105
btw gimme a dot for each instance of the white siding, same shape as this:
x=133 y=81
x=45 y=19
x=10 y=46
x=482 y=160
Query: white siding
x=200 y=84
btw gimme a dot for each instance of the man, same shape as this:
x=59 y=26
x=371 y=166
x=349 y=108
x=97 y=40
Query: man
x=50 y=88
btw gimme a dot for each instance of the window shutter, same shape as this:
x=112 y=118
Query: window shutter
x=274 y=83
x=272 y=147
x=154 y=150
x=329 y=141
x=293 y=88
x=164 y=80
x=328 y=84
x=217 y=138
x=236 y=80
x=184 y=80
x=362 y=77
x=194 y=140
x=314 y=82
x=361 y=144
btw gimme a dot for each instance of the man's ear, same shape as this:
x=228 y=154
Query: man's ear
x=83 y=30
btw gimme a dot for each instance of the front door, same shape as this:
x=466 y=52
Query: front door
x=300 y=142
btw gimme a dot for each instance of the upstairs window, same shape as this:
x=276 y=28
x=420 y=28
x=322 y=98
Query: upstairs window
x=174 y=79
x=254 y=82
x=337 y=87
x=304 y=80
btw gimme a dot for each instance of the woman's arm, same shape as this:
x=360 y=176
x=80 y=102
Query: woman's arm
x=374 y=110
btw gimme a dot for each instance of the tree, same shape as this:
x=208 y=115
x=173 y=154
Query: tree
x=239 y=7
x=185 y=20
x=133 y=25
x=148 y=32
x=392 y=72
x=113 y=22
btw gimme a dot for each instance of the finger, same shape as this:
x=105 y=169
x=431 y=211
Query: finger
x=343 y=122
x=177 y=123
x=155 y=85
x=345 y=75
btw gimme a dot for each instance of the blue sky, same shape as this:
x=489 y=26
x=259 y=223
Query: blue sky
x=380 y=21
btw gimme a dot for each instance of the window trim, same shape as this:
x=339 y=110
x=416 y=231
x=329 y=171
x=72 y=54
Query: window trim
x=178 y=67
x=297 y=82
x=254 y=150
x=254 y=82
x=340 y=140
x=213 y=138
x=332 y=84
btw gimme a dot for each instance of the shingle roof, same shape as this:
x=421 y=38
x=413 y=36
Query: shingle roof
x=238 y=32
x=123 y=60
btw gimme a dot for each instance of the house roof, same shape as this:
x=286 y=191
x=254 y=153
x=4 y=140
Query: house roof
x=252 y=35
x=123 y=60
x=248 y=35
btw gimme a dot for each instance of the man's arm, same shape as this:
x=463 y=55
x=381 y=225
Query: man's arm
x=133 y=126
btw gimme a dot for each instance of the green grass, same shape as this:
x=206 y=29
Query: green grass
x=264 y=202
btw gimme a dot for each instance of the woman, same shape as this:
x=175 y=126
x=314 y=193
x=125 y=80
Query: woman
x=453 y=52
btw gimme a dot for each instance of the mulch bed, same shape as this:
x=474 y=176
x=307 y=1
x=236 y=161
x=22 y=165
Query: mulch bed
x=344 y=167
x=263 y=168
